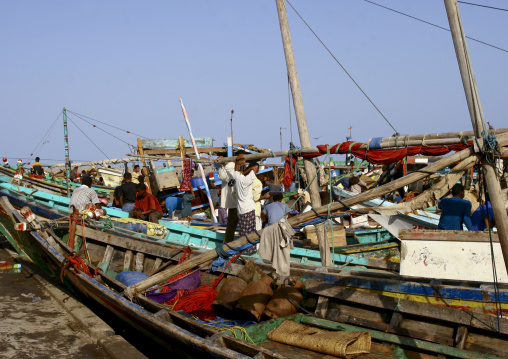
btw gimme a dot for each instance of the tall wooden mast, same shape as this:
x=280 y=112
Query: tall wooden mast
x=476 y=113
x=310 y=170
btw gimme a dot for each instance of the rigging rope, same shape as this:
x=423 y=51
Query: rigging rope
x=118 y=138
x=88 y=138
x=118 y=128
x=429 y=23
x=483 y=186
x=343 y=68
x=45 y=137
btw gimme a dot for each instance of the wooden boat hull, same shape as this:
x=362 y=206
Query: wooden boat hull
x=465 y=295
x=58 y=187
x=45 y=205
x=174 y=330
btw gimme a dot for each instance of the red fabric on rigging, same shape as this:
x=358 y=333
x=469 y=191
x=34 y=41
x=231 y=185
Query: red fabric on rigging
x=381 y=156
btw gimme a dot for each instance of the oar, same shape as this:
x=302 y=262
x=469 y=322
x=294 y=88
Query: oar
x=163 y=276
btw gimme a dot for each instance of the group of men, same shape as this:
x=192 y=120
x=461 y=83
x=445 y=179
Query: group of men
x=456 y=213
x=36 y=169
x=136 y=200
x=241 y=197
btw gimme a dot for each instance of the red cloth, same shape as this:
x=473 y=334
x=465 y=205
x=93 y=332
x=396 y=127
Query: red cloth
x=386 y=156
x=187 y=175
x=289 y=171
x=148 y=203
x=382 y=156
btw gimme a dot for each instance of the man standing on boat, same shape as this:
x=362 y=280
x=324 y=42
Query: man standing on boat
x=146 y=207
x=257 y=188
x=228 y=199
x=246 y=206
x=81 y=197
x=456 y=211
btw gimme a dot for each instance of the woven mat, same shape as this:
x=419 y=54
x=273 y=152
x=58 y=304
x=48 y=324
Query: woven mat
x=338 y=343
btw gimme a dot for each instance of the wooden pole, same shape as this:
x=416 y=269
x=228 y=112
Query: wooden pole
x=430 y=139
x=67 y=158
x=143 y=161
x=163 y=276
x=232 y=113
x=477 y=119
x=205 y=183
x=296 y=93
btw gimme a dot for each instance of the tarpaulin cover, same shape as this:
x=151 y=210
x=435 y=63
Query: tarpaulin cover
x=189 y=282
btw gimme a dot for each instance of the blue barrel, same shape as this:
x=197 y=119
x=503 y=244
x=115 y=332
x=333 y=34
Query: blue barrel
x=173 y=203
x=197 y=182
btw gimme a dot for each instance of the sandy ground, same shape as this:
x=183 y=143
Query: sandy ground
x=33 y=328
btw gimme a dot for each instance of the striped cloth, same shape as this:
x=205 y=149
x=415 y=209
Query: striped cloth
x=247 y=225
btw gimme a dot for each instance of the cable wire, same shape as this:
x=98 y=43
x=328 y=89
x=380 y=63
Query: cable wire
x=118 y=138
x=488 y=7
x=429 y=23
x=46 y=135
x=89 y=139
x=118 y=128
x=343 y=68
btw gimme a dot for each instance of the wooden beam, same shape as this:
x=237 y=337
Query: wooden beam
x=404 y=306
x=127 y=261
x=439 y=235
x=160 y=277
x=176 y=152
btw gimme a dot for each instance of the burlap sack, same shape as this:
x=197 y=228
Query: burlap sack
x=338 y=343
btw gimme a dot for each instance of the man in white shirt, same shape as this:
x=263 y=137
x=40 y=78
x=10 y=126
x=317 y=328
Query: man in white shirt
x=246 y=206
x=257 y=188
x=228 y=199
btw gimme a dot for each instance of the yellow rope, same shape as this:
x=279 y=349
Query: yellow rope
x=232 y=328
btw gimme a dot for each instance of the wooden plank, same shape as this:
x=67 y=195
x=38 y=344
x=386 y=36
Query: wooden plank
x=452 y=315
x=106 y=260
x=397 y=339
x=439 y=235
x=127 y=261
x=461 y=337
x=146 y=247
x=176 y=152
x=156 y=264
x=396 y=319
x=322 y=307
x=139 y=262
x=387 y=328
x=173 y=143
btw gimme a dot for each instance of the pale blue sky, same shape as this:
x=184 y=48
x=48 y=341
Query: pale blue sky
x=127 y=63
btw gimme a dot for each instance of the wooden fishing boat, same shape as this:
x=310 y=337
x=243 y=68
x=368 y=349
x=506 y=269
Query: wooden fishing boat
x=364 y=255
x=394 y=223
x=397 y=327
x=49 y=185
x=476 y=296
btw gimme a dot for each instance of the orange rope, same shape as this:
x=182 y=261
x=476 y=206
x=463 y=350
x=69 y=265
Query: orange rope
x=199 y=301
x=76 y=262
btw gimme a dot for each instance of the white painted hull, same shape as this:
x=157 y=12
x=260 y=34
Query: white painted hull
x=470 y=261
